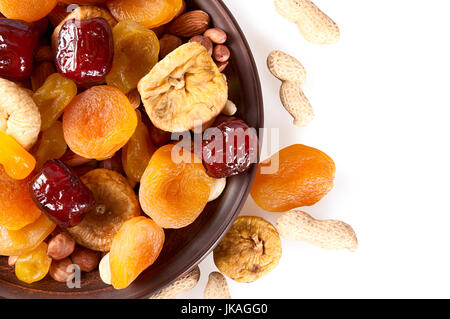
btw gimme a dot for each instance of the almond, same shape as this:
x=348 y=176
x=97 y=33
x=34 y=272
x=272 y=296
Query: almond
x=190 y=24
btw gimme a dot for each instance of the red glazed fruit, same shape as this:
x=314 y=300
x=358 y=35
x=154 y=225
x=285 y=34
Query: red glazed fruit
x=18 y=41
x=59 y=192
x=85 y=50
x=229 y=148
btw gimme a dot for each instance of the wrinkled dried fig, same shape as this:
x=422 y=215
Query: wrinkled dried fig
x=186 y=86
x=116 y=202
x=250 y=249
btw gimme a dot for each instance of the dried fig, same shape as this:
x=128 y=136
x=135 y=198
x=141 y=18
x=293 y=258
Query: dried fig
x=250 y=249
x=184 y=87
x=116 y=202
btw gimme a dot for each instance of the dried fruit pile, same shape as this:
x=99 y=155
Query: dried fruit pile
x=89 y=97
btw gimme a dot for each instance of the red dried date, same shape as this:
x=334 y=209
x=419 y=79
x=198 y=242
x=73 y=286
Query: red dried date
x=85 y=50
x=59 y=193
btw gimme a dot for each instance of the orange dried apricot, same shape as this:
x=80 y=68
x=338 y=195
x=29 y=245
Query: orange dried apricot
x=52 y=97
x=138 y=152
x=83 y=2
x=135 y=248
x=149 y=13
x=17 y=209
x=33 y=266
x=136 y=52
x=16 y=161
x=29 y=10
x=99 y=122
x=22 y=241
x=173 y=193
x=303 y=177
x=51 y=145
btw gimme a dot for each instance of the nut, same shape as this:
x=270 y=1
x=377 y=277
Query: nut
x=12 y=260
x=60 y=246
x=217 y=188
x=135 y=98
x=85 y=258
x=58 y=14
x=190 y=24
x=292 y=73
x=222 y=65
x=185 y=283
x=326 y=234
x=19 y=115
x=83 y=13
x=230 y=109
x=221 y=53
x=216 y=35
x=62 y=270
x=314 y=25
x=217 y=287
x=41 y=73
x=206 y=42
x=105 y=270
x=167 y=44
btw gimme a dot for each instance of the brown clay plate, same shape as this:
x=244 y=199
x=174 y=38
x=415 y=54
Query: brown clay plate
x=184 y=248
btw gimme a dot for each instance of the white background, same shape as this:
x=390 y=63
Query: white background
x=381 y=97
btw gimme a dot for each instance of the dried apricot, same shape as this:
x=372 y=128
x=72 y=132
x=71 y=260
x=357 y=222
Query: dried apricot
x=135 y=248
x=115 y=201
x=17 y=208
x=51 y=145
x=250 y=249
x=22 y=241
x=53 y=97
x=83 y=2
x=136 y=52
x=98 y=122
x=149 y=13
x=181 y=189
x=30 y=10
x=138 y=152
x=304 y=176
x=16 y=161
x=33 y=266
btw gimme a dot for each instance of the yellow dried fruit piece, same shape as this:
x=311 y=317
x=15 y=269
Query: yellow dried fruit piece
x=116 y=203
x=33 y=266
x=51 y=145
x=136 y=51
x=250 y=249
x=53 y=97
x=186 y=86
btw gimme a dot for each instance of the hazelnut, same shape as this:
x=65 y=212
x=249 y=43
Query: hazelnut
x=60 y=246
x=216 y=35
x=85 y=258
x=221 y=53
x=60 y=270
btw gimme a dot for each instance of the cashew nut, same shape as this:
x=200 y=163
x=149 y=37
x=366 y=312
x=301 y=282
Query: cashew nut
x=105 y=270
x=293 y=75
x=217 y=287
x=230 y=108
x=326 y=234
x=314 y=25
x=19 y=115
x=217 y=188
